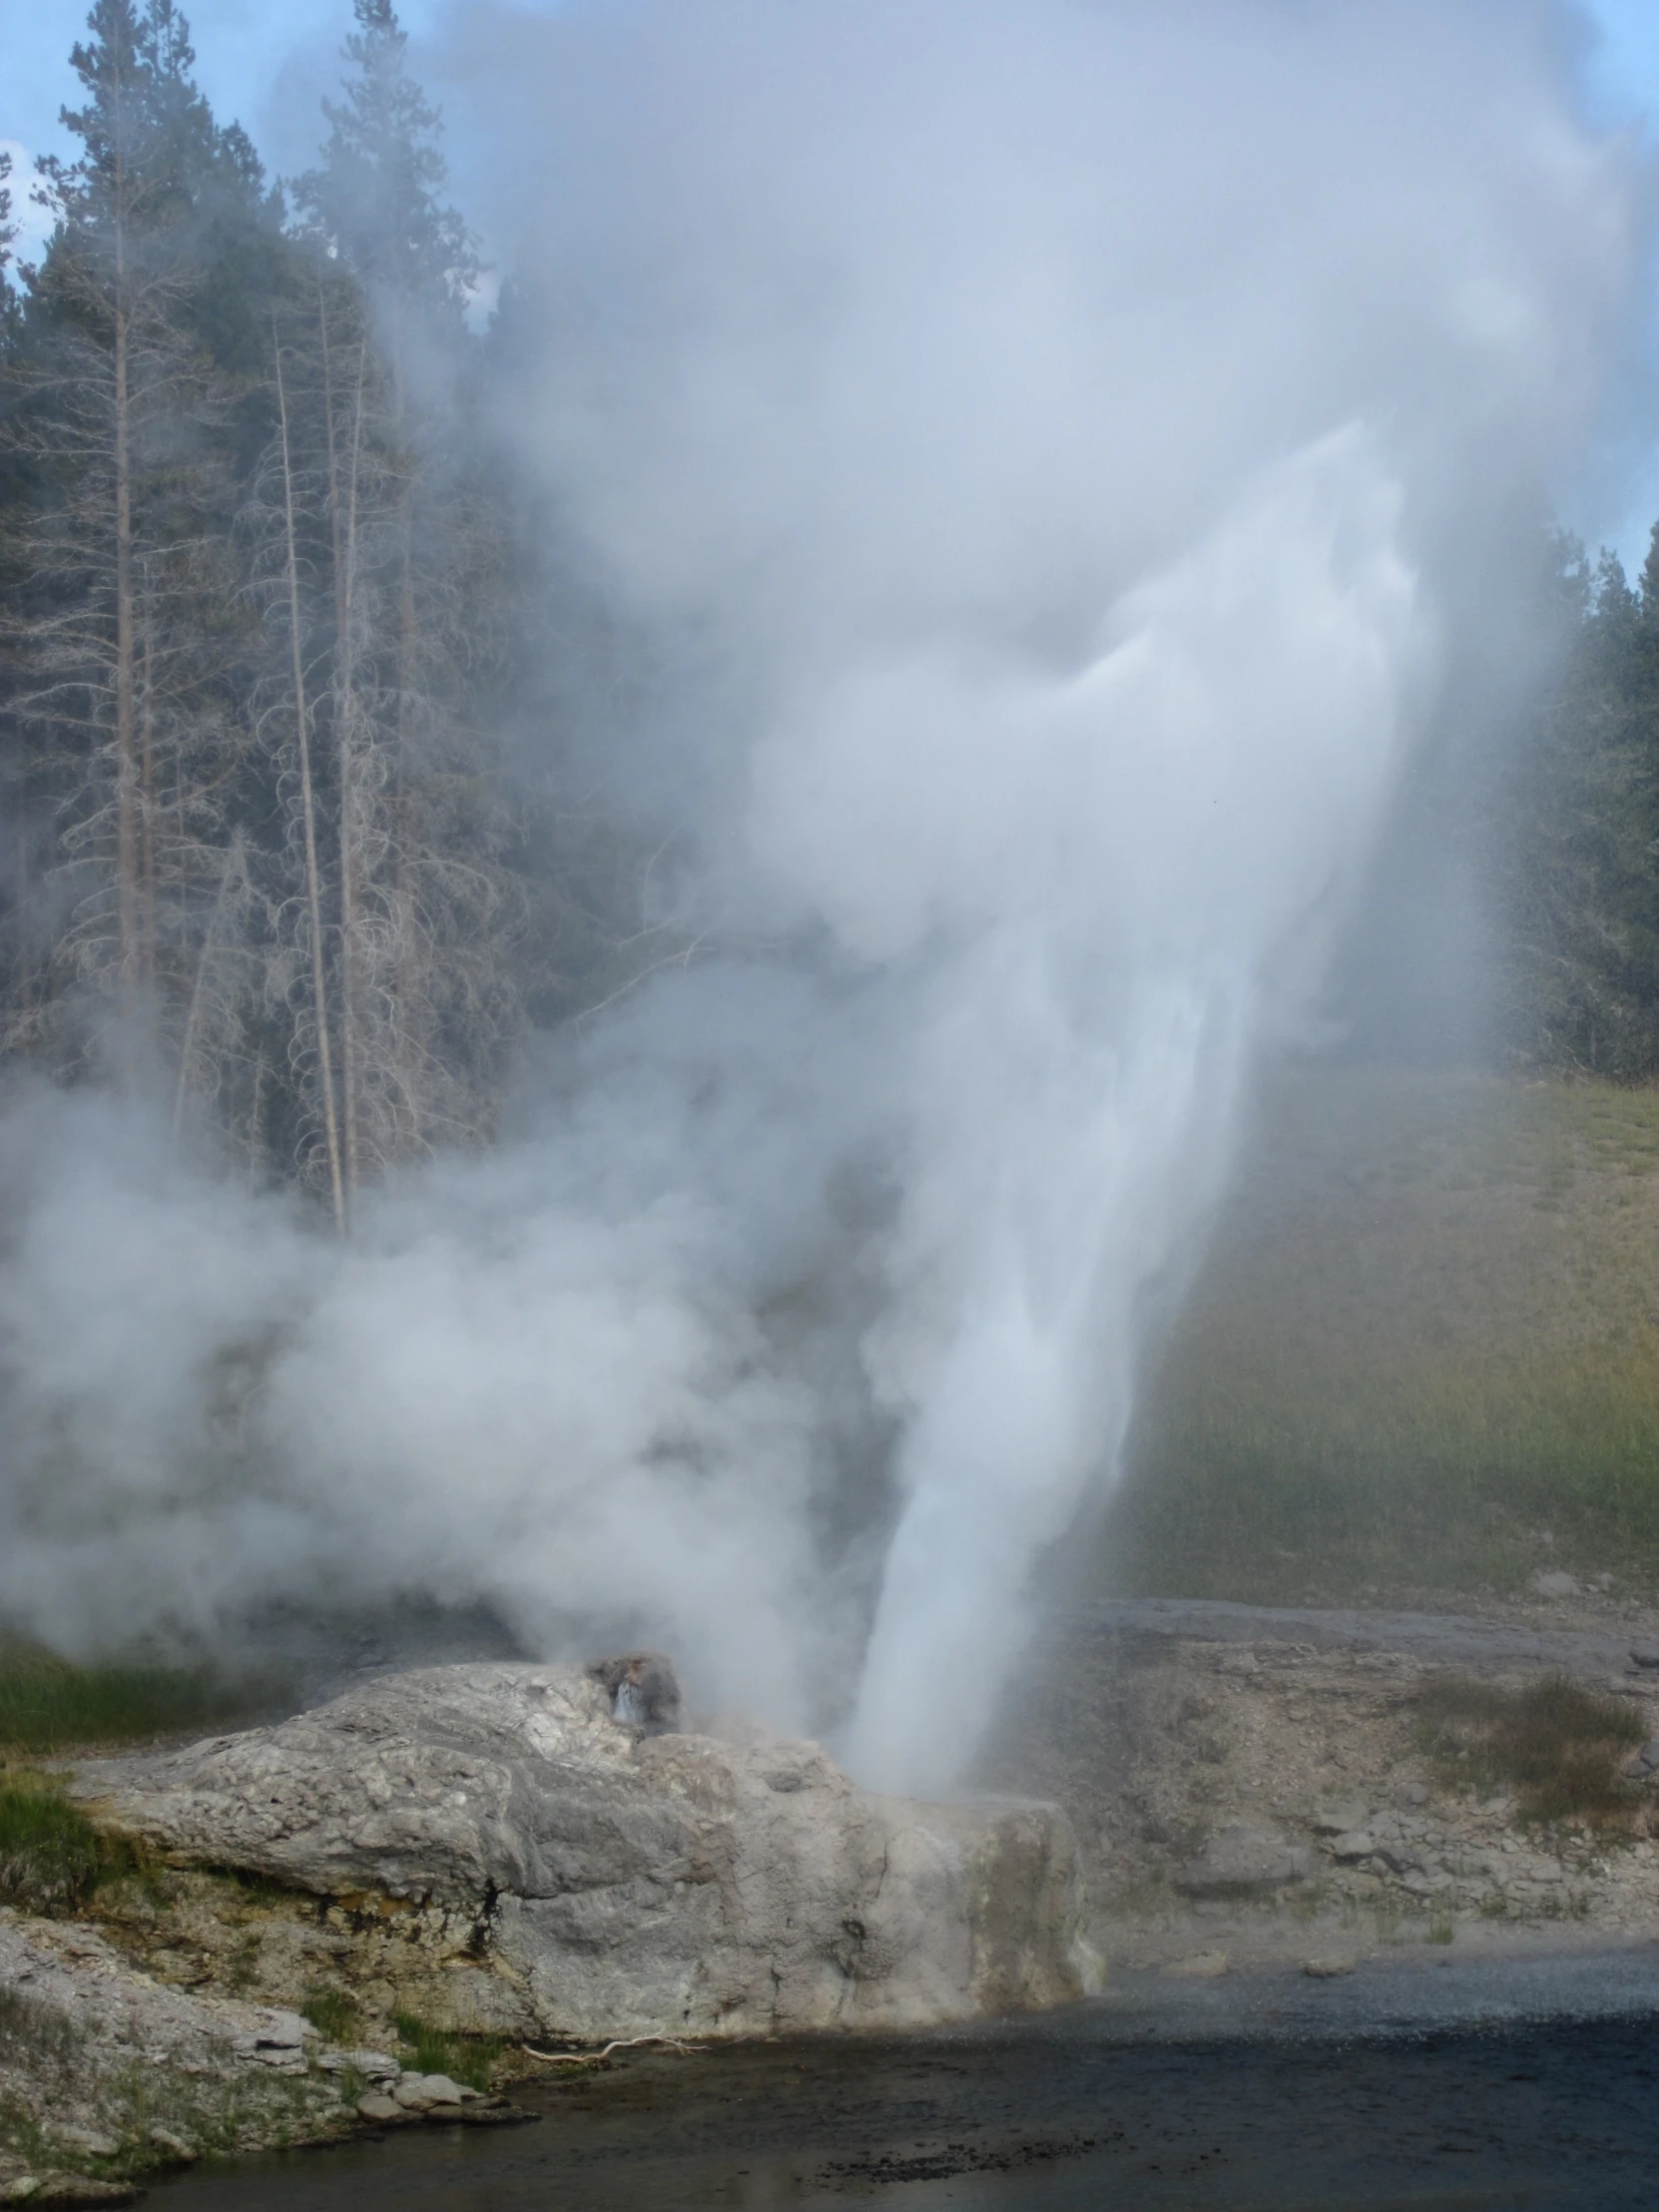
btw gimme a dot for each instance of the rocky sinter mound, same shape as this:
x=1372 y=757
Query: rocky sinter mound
x=578 y=1869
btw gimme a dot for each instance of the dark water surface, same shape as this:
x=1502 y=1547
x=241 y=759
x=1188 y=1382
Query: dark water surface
x=1452 y=2084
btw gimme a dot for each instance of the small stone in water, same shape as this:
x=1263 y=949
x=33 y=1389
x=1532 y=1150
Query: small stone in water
x=419 y=2093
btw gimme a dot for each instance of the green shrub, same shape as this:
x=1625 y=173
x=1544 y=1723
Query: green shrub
x=468 y=2060
x=1556 y=1743
x=333 y=2013
x=51 y=1856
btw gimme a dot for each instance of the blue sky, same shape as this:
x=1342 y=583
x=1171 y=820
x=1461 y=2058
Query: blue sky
x=267 y=64
x=264 y=63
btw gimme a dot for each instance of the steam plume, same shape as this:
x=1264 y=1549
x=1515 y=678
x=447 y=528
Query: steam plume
x=1047 y=446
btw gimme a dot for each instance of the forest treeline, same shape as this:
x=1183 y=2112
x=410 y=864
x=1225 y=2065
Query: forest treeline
x=1567 y=841
x=272 y=615
x=263 y=634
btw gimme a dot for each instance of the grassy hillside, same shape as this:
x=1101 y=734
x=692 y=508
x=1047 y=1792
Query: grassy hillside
x=48 y=1704
x=1423 y=1354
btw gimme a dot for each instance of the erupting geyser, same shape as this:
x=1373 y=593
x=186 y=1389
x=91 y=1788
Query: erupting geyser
x=1052 y=455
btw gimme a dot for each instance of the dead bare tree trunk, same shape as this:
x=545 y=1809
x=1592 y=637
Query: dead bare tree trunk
x=404 y=983
x=345 y=539
x=253 y=1113
x=313 y=897
x=335 y=504
x=24 y=963
x=405 y=678
x=209 y=943
x=147 y=800
x=126 y=775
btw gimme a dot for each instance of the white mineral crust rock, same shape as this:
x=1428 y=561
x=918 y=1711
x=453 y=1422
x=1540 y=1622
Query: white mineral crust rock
x=629 y=1883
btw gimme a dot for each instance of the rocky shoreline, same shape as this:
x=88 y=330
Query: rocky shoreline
x=107 y=2071
x=477 y=1858
x=1196 y=1795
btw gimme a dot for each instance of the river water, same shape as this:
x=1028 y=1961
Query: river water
x=1416 y=2082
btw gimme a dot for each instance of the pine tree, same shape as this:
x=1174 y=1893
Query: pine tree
x=16 y=979
x=376 y=198
x=1572 y=848
x=423 y=902
x=128 y=691
x=8 y=236
x=252 y=828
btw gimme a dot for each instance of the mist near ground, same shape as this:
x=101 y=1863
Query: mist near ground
x=1057 y=463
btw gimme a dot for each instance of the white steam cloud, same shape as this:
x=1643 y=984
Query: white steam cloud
x=1049 y=445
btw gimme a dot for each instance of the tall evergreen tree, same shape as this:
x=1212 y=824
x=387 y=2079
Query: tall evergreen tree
x=254 y=625
x=122 y=412
x=1574 y=843
x=14 y=836
x=424 y=901
x=376 y=196
x=8 y=236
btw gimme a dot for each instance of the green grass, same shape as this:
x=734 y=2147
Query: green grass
x=333 y=2013
x=241 y=1969
x=1423 y=1353
x=48 y=1704
x=1556 y=1743
x=150 y=2107
x=467 y=2059
x=31 y=2030
x=51 y=1856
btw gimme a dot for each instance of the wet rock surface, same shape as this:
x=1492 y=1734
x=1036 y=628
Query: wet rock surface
x=583 y=1877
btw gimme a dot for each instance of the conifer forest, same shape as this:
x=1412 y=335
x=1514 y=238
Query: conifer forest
x=266 y=612
x=274 y=623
